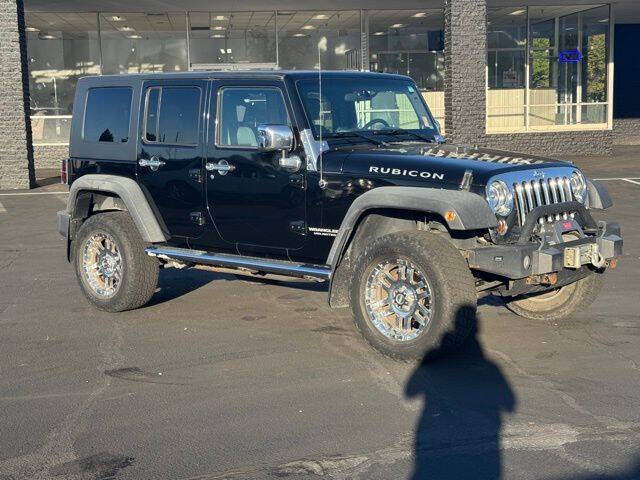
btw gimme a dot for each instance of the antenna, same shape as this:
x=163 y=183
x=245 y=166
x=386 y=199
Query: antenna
x=322 y=47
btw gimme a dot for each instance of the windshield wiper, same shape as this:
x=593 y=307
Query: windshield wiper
x=399 y=131
x=357 y=133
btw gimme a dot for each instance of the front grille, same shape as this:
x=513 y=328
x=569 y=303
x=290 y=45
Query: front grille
x=534 y=193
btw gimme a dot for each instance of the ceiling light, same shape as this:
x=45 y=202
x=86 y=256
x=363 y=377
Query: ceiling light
x=299 y=35
x=126 y=28
x=116 y=18
x=320 y=16
x=46 y=36
x=219 y=27
x=379 y=33
x=220 y=17
x=308 y=27
x=604 y=20
x=419 y=15
x=32 y=29
x=134 y=36
x=397 y=25
x=518 y=12
x=217 y=35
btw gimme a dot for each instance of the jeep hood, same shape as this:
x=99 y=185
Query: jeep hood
x=442 y=163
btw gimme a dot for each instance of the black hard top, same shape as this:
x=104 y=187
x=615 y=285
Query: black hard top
x=244 y=74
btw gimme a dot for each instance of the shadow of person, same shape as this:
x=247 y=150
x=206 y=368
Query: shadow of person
x=465 y=396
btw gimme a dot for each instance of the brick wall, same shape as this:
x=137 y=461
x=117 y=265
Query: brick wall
x=16 y=154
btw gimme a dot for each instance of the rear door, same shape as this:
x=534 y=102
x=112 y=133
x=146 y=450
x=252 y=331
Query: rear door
x=170 y=152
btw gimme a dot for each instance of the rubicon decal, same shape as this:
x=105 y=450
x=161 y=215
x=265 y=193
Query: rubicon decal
x=406 y=173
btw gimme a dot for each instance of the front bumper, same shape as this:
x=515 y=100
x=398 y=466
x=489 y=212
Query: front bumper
x=524 y=260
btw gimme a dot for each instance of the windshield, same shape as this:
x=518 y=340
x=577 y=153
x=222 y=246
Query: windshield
x=351 y=105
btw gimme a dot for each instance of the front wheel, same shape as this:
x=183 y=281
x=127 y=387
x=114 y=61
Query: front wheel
x=413 y=295
x=559 y=303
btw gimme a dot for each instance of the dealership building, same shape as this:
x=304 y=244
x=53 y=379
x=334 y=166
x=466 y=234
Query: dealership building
x=552 y=77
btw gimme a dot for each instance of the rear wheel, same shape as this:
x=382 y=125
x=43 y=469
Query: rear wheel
x=413 y=295
x=559 y=303
x=113 y=270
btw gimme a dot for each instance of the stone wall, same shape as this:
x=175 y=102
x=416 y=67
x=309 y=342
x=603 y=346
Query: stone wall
x=587 y=142
x=626 y=131
x=16 y=154
x=49 y=156
x=465 y=53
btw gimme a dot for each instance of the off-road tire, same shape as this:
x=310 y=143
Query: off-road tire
x=139 y=270
x=548 y=306
x=451 y=282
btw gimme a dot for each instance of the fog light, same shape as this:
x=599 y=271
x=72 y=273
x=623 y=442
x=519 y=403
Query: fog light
x=502 y=227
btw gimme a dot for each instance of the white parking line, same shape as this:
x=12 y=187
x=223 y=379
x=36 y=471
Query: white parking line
x=631 y=181
x=2 y=209
x=617 y=178
x=21 y=194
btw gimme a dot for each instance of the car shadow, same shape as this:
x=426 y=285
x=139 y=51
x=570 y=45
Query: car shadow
x=174 y=283
x=465 y=397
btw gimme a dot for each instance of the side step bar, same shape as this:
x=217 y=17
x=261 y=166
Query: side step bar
x=279 y=267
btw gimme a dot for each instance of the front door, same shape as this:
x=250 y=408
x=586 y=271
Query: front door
x=170 y=153
x=252 y=200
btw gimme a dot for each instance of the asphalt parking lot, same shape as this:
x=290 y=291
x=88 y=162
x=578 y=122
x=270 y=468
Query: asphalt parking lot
x=228 y=378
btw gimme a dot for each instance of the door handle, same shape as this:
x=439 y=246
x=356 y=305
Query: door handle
x=154 y=163
x=222 y=167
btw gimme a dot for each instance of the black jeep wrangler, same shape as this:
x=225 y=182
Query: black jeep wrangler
x=343 y=178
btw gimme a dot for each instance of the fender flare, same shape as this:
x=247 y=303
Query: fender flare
x=599 y=197
x=471 y=210
x=131 y=195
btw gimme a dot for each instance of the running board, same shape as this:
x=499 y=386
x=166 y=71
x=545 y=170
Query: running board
x=279 y=267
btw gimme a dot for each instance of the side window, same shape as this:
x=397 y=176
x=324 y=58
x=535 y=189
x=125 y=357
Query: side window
x=172 y=115
x=107 y=114
x=241 y=110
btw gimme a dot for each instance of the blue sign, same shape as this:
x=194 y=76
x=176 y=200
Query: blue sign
x=569 y=56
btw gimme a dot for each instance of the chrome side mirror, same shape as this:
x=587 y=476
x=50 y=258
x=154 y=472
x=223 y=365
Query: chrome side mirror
x=275 y=138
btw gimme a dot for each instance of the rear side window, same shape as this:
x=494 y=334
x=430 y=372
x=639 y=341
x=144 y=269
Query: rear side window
x=172 y=115
x=107 y=115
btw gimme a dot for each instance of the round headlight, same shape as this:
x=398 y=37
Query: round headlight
x=500 y=198
x=578 y=187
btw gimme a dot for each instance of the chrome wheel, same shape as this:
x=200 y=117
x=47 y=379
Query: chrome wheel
x=102 y=264
x=398 y=299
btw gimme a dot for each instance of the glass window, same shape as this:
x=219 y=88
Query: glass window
x=222 y=38
x=61 y=47
x=242 y=110
x=172 y=115
x=107 y=114
x=151 y=116
x=143 y=42
x=568 y=60
x=299 y=34
x=351 y=105
x=411 y=42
